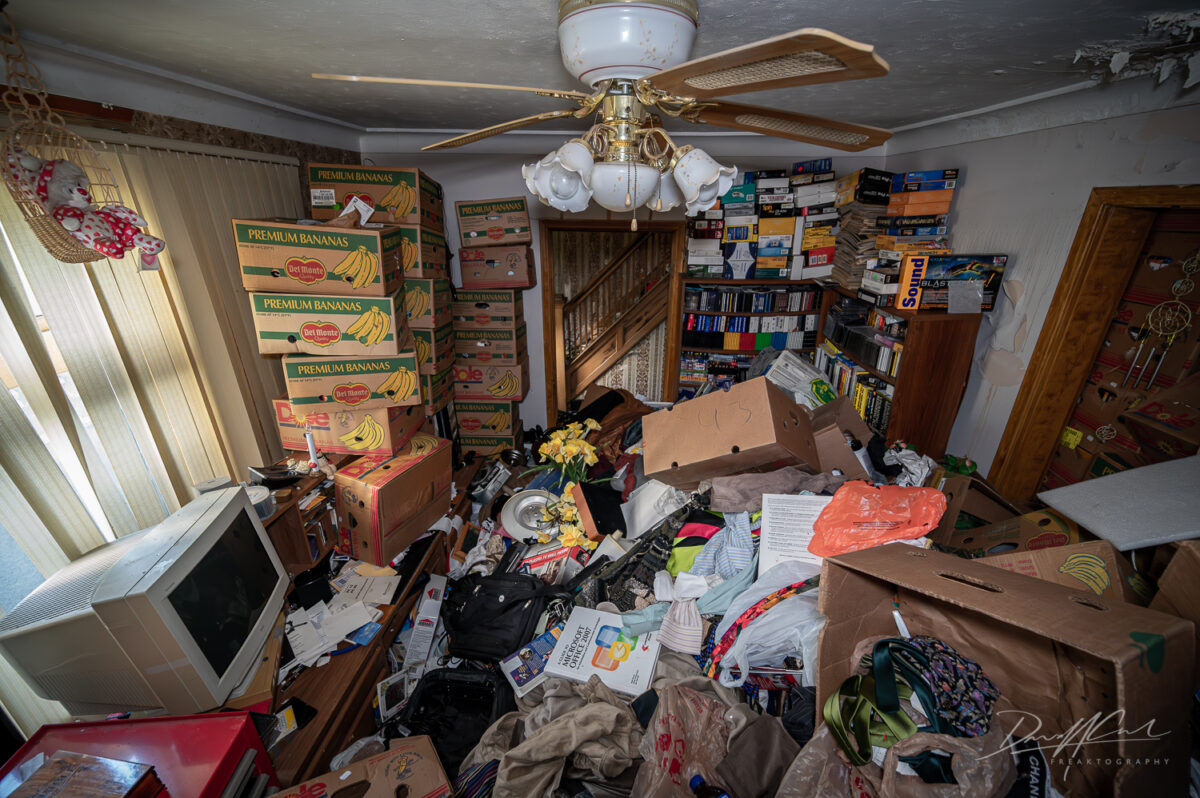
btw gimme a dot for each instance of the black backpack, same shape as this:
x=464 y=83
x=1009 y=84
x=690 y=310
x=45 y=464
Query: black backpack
x=490 y=617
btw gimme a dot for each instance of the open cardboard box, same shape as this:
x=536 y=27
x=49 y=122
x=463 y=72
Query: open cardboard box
x=1179 y=590
x=830 y=423
x=752 y=426
x=1093 y=565
x=1059 y=656
x=969 y=494
x=410 y=762
x=1041 y=529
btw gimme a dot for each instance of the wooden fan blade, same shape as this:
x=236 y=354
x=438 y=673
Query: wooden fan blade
x=503 y=127
x=800 y=127
x=560 y=93
x=805 y=56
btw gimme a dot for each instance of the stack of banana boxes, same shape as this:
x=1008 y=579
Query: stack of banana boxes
x=491 y=360
x=336 y=302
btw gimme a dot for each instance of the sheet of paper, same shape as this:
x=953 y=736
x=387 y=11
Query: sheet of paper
x=368 y=570
x=787 y=528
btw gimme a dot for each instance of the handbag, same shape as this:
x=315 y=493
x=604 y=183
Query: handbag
x=489 y=617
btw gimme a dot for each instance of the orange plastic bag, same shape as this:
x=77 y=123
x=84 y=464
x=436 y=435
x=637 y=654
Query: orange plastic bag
x=862 y=515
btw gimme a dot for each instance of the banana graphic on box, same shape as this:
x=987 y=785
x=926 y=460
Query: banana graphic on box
x=422 y=350
x=505 y=386
x=400 y=200
x=359 y=267
x=399 y=385
x=371 y=327
x=367 y=435
x=499 y=420
x=416 y=303
x=409 y=252
x=1089 y=569
x=422 y=444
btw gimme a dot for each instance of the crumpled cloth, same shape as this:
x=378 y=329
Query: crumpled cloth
x=743 y=493
x=729 y=550
x=682 y=630
x=917 y=467
x=583 y=730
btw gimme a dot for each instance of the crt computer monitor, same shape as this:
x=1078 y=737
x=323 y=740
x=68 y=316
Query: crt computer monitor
x=169 y=619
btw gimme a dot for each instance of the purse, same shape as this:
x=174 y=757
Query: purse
x=489 y=617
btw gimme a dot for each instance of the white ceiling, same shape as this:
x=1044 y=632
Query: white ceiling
x=947 y=57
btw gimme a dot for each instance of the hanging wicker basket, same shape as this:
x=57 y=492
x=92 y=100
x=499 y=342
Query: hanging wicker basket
x=40 y=131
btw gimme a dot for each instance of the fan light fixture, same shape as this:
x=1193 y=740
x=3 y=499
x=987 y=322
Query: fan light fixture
x=626 y=160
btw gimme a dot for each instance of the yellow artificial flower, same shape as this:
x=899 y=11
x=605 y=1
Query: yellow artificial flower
x=558 y=458
x=591 y=458
x=543 y=537
x=569 y=513
x=571 y=535
x=558 y=434
x=547 y=515
x=567 y=496
x=544 y=450
x=591 y=424
x=590 y=544
x=571 y=448
x=575 y=427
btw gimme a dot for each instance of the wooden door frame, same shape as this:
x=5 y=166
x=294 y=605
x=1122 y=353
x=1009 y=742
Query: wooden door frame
x=551 y=331
x=1071 y=337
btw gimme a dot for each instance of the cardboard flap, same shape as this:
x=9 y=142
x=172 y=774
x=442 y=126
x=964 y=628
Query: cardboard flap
x=1073 y=617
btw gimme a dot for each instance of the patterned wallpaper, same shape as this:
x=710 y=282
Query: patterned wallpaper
x=641 y=370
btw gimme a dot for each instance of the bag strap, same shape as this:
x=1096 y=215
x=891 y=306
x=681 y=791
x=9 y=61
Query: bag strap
x=477 y=612
x=868 y=725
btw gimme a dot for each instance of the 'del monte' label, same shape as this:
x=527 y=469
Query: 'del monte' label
x=320 y=333
x=305 y=270
x=495 y=232
x=351 y=394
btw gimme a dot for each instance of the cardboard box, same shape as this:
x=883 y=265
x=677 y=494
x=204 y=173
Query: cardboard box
x=830 y=423
x=410 y=762
x=488 y=310
x=315 y=324
x=399 y=195
x=497 y=267
x=385 y=503
x=752 y=426
x=361 y=383
x=428 y=303
x=1094 y=565
x=1060 y=657
x=424 y=253
x=488 y=445
x=1179 y=591
x=496 y=417
x=493 y=222
x=476 y=380
x=337 y=430
x=278 y=255
x=435 y=348
x=1168 y=426
x=437 y=390
x=490 y=346
x=1043 y=529
x=971 y=495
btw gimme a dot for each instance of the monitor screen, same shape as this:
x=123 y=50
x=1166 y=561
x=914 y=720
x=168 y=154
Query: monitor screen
x=221 y=599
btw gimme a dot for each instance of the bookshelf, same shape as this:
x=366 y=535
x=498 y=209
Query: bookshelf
x=724 y=323
x=928 y=381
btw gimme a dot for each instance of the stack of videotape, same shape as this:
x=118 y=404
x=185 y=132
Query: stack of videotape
x=916 y=221
x=816 y=221
x=860 y=196
x=332 y=301
x=491 y=368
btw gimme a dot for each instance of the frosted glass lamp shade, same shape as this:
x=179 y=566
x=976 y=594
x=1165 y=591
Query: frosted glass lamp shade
x=623 y=186
x=701 y=180
x=560 y=180
x=667 y=195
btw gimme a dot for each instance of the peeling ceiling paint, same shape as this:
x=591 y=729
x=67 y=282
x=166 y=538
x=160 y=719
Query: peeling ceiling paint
x=947 y=57
x=1166 y=41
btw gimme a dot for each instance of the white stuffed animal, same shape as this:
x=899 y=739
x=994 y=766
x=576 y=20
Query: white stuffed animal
x=61 y=188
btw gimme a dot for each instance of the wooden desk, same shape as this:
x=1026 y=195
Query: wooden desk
x=341 y=691
x=287 y=525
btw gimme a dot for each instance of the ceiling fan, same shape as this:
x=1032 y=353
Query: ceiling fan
x=633 y=53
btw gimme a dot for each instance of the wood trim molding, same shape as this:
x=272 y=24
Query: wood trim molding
x=1111 y=234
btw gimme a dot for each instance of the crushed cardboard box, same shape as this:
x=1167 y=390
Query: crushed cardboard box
x=1179 y=590
x=967 y=494
x=830 y=423
x=409 y=767
x=1041 y=529
x=752 y=426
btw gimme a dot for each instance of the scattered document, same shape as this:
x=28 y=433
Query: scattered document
x=787 y=528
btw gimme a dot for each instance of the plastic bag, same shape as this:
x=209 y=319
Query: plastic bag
x=862 y=515
x=687 y=735
x=917 y=467
x=361 y=748
x=791 y=626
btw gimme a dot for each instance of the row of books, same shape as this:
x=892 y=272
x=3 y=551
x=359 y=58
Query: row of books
x=872 y=399
x=748 y=341
x=721 y=370
x=841 y=371
x=870 y=336
x=752 y=300
x=701 y=322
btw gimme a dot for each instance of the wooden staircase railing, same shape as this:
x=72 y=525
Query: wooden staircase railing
x=612 y=292
x=635 y=323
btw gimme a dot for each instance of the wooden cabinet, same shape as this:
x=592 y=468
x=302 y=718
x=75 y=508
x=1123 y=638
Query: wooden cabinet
x=931 y=377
